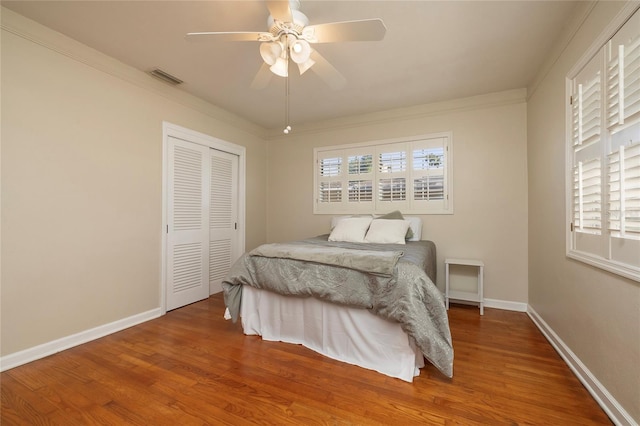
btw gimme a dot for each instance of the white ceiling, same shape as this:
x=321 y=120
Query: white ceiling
x=432 y=51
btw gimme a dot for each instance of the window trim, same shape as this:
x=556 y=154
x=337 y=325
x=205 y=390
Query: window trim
x=622 y=269
x=384 y=207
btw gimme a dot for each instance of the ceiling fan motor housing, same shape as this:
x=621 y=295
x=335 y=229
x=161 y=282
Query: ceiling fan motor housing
x=278 y=28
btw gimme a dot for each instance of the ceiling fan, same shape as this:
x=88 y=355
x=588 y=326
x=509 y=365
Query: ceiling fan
x=289 y=37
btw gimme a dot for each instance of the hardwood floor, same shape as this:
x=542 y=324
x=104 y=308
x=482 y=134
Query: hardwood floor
x=192 y=367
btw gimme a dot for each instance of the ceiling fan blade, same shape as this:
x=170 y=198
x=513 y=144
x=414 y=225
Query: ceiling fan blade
x=327 y=72
x=230 y=36
x=262 y=78
x=280 y=10
x=364 y=30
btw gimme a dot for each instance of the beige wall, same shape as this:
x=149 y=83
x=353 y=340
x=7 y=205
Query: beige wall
x=82 y=186
x=490 y=182
x=595 y=313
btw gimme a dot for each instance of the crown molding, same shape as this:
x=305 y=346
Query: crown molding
x=489 y=100
x=34 y=32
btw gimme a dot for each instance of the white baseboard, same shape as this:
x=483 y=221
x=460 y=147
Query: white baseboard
x=506 y=305
x=37 y=352
x=496 y=304
x=614 y=410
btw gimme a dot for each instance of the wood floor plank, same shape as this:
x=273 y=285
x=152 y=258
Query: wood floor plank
x=191 y=367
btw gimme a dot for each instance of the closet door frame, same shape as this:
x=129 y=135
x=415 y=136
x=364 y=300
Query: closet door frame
x=192 y=136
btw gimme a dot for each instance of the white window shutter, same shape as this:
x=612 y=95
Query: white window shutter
x=429 y=180
x=360 y=178
x=586 y=113
x=604 y=149
x=328 y=190
x=586 y=107
x=392 y=177
x=411 y=175
x=587 y=195
x=623 y=76
x=624 y=192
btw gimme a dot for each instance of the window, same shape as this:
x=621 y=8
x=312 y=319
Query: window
x=603 y=151
x=412 y=175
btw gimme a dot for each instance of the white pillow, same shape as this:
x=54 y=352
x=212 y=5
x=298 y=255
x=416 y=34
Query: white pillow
x=336 y=219
x=387 y=231
x=351 y=229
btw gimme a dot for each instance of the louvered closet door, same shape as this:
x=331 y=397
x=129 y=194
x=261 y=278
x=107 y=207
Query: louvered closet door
x=189 y=183
x=223 y=216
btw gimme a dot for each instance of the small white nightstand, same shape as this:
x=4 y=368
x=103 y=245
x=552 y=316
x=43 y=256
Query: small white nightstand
x=465 y=295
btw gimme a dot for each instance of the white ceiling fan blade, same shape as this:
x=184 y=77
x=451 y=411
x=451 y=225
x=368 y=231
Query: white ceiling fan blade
x=262 y=78
x=327 y=72
x=230 y=36
x=280 y=10
x=364 y=30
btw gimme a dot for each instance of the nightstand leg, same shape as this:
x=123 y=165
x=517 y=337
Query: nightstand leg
x=481 y=288
x=446 y=286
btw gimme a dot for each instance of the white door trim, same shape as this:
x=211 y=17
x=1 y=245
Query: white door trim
x=178 y=132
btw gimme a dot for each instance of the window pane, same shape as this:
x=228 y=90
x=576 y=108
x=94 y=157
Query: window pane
x=360 y=164
x=428 y=188
x=330 y=167
x=587 y=209
x=586 y=112
x=392 y=189
x=624 y=191
x=428 y=158
x=360 y=190
x=330 y=192
x=393 y=162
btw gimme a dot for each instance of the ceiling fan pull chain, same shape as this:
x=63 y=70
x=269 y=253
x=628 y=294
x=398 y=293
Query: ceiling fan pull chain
x=287 y=129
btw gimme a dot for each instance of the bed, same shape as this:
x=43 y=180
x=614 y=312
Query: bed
x=354 y=295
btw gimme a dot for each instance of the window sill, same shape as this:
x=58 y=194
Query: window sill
x=608 y=265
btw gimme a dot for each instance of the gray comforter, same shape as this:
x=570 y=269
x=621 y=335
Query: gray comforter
x=394 y=282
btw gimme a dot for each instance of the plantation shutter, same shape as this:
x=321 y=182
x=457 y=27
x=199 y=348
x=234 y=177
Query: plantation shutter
x=587 y=149
x=345 y=181
x=623 y=75
x=428 y=178
x=392 y=166
x=587 y=195
x=624 y=191
x=586 y=107
x=410 y=175
x=604 y=146
x=623 y=160
x=360 y=179
x=329 y=184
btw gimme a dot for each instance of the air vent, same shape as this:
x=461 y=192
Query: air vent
x=166 y=77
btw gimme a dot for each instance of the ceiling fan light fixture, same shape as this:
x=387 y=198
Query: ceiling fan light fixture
x=300 y=51
x=297 y=47
x=270 y=52
x=280 y=67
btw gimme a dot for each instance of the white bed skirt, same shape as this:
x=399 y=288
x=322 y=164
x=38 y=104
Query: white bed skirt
x=351 y=335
